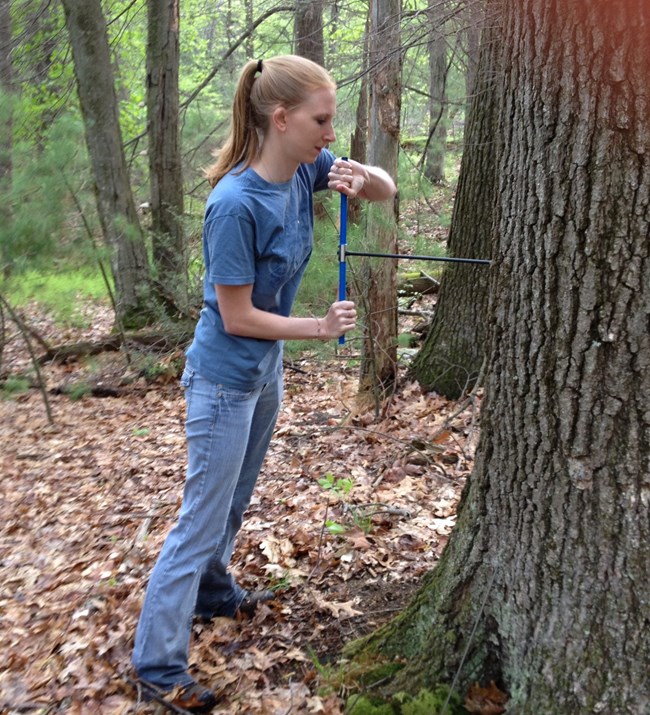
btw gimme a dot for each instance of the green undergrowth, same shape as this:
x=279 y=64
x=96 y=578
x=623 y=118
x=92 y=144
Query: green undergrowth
x=427 y=702
x=63 y=294
x=367 y=679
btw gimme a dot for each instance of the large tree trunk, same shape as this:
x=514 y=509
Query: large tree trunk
x=379 y=358
x=115 y=206
x=451 y=357
x=165 y=166
x=545 y=580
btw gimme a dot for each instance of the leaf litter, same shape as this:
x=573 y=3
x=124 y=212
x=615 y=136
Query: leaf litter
x=86 y=503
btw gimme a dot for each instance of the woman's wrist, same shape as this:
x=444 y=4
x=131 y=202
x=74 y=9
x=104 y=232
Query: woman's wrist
x=319 y=330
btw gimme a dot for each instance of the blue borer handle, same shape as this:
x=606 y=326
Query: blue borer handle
x=343 y=238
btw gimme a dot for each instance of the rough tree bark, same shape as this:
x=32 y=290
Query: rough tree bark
x=115 y=205
x=545 y=579
x=451 y=357
x=379 y=311
x=165 y=166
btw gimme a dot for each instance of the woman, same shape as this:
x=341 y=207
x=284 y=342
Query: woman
x=257 y=239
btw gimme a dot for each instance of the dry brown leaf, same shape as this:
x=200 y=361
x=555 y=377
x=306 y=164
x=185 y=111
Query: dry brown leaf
x=485 y=700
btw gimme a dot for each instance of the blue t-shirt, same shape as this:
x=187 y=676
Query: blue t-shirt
x=260 y=233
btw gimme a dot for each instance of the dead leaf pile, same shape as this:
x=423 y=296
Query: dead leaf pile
x=349 y=512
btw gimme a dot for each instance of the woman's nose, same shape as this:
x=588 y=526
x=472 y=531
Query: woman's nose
x=330 y=134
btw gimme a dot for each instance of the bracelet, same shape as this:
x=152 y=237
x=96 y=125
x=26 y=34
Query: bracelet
x=319 y=335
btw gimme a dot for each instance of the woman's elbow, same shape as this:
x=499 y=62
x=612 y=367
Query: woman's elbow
x=233 y=325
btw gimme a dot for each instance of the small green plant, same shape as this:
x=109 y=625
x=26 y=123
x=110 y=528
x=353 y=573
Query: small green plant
x=335 y=528
x=280 y=583
x=78 y=390
x=141 y=431
x=360 y=519
x=153 y=368
x=340 y=486
x=13 y=386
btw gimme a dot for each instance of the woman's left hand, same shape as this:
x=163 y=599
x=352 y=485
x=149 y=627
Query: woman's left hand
x=347 y=177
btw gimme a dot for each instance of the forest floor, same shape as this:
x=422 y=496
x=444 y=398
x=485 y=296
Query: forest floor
x=351 y=509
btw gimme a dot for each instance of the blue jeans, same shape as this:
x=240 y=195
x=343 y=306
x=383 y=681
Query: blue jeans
x=228 y=433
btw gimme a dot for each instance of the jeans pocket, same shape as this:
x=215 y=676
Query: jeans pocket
x=235 y=394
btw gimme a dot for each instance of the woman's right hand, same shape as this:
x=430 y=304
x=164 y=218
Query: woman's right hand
x=340 y=319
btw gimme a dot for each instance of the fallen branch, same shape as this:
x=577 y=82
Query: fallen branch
x=161 y=341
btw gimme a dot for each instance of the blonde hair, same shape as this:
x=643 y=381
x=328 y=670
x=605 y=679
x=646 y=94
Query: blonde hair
x=286 y=81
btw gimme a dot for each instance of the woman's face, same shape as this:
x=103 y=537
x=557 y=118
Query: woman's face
x=309 y=126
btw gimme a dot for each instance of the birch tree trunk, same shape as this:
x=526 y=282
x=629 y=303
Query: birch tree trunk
x=451 y=357
x=379 y=357
x=165 y=166
x=115 y=205
x=545 y=582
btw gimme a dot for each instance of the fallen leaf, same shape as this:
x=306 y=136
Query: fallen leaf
x=485 y=701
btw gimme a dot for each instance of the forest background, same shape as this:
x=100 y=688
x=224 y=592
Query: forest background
x=539 y=600
x=71 y=604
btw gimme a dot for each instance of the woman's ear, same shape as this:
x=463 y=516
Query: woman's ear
x=279 y=118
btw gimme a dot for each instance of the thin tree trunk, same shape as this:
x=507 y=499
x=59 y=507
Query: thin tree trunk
x=115 y=206
x=309 y=43
x=308 y=30
x=434 y=166
x=250 y=40
x=359 y=138
x=544 y=585
x=165 y=167
x=474 y=21
x=6 y=129
x=379 y=358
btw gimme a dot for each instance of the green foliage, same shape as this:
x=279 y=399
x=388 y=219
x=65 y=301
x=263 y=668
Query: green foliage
x=426 y=702
x=364 y=705
x=63 y=294
x=78 y=390
x=154 y=367
x=50 y=162
x=339 y=486
x=36 y=197
x=335 y=528
x=14 y=385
